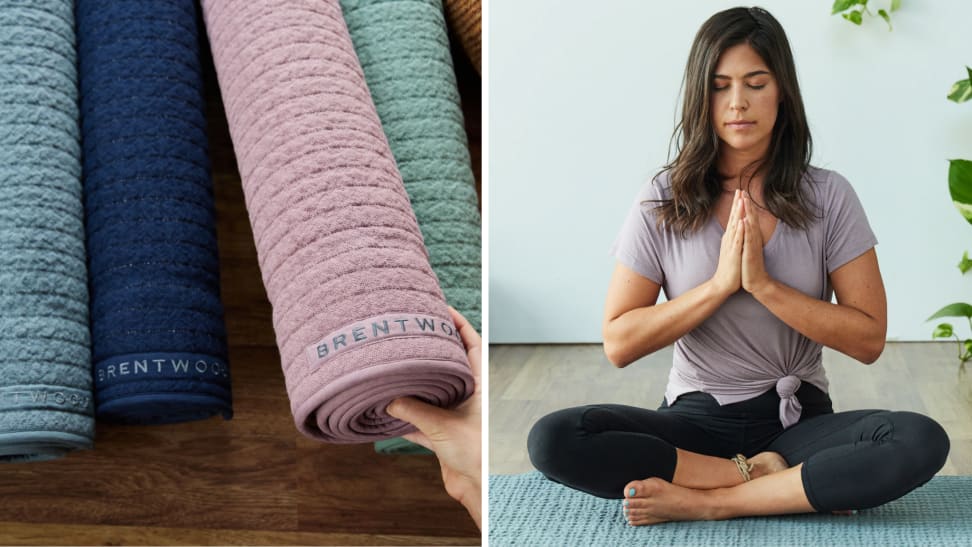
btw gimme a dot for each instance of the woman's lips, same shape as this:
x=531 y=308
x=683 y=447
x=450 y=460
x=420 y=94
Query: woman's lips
x=741 y=125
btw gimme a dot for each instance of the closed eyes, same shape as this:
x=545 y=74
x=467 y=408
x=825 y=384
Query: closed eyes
x=723 y=88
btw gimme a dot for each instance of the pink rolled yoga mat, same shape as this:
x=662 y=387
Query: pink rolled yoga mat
x=358 y=313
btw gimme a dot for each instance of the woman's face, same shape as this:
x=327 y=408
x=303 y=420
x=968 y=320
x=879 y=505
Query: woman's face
x=745 y=100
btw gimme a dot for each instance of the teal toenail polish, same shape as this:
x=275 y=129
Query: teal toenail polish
x=625 y=502
x=631 y=492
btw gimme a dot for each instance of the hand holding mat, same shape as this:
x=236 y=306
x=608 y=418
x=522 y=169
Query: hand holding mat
x=359 y=317
x=404 y=51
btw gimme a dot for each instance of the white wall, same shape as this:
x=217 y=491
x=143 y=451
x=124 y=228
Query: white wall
x=581 y=109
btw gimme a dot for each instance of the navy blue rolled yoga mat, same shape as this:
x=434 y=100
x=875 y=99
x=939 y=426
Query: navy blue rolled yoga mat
x=46 y=407
x=158 y=337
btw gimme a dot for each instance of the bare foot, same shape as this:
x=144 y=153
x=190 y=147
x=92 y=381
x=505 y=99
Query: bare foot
x=655 y=500
x=766 y=463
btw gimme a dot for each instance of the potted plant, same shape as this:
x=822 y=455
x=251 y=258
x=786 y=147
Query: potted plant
x=853 y=10
x=960 y=188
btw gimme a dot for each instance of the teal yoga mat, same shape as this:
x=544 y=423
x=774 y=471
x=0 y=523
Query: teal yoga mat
x=528 y=509
x=46 y=405
x=404 y=52
x=399 y=446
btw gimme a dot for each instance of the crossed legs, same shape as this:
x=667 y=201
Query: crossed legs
x=848 y=460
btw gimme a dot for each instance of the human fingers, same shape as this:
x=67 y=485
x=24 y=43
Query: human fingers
x=731 y=224
x=419 y=438
x=749 y=236
x=472 y=341
x=734 y=211
x=741 y=213
x=740 y=236
x=469 y=335
x=428 y=418
x=753 y=224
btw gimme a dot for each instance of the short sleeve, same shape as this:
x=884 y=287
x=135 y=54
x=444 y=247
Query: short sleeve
x=848 y=234
x=638 y=244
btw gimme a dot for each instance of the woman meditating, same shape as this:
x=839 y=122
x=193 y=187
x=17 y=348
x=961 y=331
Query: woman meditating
x=750 y=243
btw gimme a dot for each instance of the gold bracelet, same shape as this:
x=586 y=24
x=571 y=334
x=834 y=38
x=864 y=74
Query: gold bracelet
x=744 y=466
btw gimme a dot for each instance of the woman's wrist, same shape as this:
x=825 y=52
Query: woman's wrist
x=764 y=290
x=473 y=502
x=718 y=290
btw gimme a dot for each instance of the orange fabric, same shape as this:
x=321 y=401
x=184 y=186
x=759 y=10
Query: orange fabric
x=465 y=20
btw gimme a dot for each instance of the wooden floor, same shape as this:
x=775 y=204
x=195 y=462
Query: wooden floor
x=527 y=382
x=251 y=480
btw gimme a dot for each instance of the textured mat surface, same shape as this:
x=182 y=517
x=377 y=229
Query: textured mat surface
x=528 y=509
x=404 y=51
x=358 y=314
x=46 y=405
x=159 y=342
x=399 y=446
x=466 y=21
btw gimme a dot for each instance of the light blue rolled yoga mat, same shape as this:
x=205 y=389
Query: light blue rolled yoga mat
x=45 y=358
x=403 y=47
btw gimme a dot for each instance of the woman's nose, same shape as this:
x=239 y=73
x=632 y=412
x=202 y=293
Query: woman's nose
x=737 y=100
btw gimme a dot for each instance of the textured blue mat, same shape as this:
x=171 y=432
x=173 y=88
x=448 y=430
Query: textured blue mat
x=45 y=358
x=530 y=510
x=158 y=338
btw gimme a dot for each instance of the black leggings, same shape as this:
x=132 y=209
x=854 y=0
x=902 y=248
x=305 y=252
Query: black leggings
x=851 y=460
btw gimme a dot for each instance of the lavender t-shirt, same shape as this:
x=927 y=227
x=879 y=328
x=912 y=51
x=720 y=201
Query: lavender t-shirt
x=742 y=349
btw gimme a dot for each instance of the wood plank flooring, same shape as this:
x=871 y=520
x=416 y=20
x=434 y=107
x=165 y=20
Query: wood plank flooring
x=250 y=480
x=529 y=381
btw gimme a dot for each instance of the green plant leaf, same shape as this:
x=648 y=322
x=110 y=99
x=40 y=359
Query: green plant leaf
x=895 y=5
x=853 y=17
x=968 y=345
x=958 y=309
x=961 y=91
x=965 y=264
x=887 y=18
x=843 y=5
x=943 y=330
x=960 y=186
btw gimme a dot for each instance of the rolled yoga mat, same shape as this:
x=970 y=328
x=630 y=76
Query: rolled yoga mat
x=404 y=51
x=159 y=340
x=400 y=446
x=46 y=405
x=359 y=317
x=465 y=19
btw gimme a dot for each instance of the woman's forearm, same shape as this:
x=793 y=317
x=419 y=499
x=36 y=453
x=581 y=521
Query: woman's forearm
x=843 y=328
x=644 y=330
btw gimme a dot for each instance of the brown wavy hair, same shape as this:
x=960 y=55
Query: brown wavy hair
x=695 y=182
